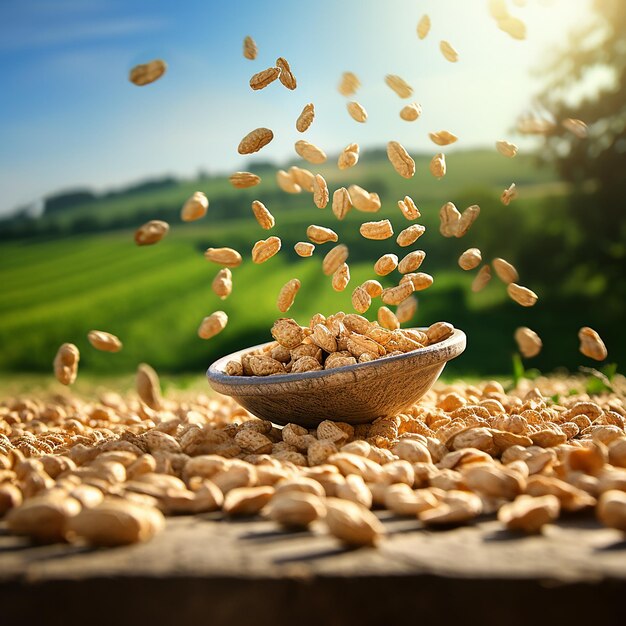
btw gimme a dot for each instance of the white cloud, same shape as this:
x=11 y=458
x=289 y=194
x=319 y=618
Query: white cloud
x=58 y=34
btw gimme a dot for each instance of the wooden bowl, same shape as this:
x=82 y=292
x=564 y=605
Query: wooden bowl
x=355 y=394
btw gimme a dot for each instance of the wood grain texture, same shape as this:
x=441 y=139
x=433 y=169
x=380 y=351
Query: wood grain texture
x=356 y=394
x=207 y=570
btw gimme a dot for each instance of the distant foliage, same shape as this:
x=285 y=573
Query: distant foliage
x=68 y=199
x=596 y=166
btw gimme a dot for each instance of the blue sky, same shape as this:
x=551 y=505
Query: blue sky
x=69 y=117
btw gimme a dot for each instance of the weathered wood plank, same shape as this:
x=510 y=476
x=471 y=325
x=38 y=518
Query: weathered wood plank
x=204 y=570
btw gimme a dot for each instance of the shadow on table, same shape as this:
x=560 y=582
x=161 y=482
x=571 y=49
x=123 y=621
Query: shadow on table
x=273 y=534
x=314 y=555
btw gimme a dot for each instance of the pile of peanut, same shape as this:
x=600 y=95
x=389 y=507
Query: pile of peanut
x=107 y=472
x=336 y=341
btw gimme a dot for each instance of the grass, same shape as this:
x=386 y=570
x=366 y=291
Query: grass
x=56 y=289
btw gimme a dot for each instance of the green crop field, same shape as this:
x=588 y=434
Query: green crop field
x=57 y=288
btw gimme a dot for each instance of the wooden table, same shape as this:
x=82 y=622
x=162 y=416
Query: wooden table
x=203 y=570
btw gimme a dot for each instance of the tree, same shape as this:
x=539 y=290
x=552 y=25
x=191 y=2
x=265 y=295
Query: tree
x=594 y=64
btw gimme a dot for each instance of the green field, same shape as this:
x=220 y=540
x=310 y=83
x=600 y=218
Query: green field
x=57 y=288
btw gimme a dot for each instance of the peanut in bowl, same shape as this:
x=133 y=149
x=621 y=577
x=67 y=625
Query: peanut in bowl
x=356 y=394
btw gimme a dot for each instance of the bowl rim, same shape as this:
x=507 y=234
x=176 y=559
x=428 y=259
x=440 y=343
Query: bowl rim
x=447 y=349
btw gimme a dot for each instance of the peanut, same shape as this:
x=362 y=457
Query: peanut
x=295 y=509
x=361 y=300
x=439 y=331
x=66 y=363
x=348 y=157
x=505 y=271
x=151 y=232
x=116 y=523
x=310 y=152
x=528 y=342
x=349 y=84
x=341 y=277
x=342 y=203
x=410 y=112
x=262 y=215
x=529 y=514
x=302 y=177
x=448 y=51
x=408 y=208
x=419 y=280
x=363 y=200
x=423 y=27
x=591 y=344
x=513 y=26
x=334 y=259
x=305 y=364
x=612 y=509
x=222 y=284
x=468 y=217
x=304 y=248
x=262 y=79
x=438 y=165
x=411 y=261
x=249 y=48
x=243 y=180
x=357 y=112
x=286 y=76
x=386 y=264
x=287 y=295
x=287 y=332
x=470 y=259
x=44 y=517
x=320 y=192
x=147 y=73
x=255 y=140
x=509 y=194
x=148 y=386
x=306 y=117
x=247 y=500
x=320 y=234
x=406 y=309
x=410 y=235
x=286 y=182
x=506 y=149
x=400 y=159
x=399 y=85
x=373 y=288
x=352 y=523
x=450 y=218
x=104 y=341
x=265 y=366
x=521 y=295
x=396 y=295
x=195 y=208
x=376 y=230
x=265 y=249
x=443 y=138
x=387 y=318
x=323 y=338
x=481 y=279
x=212 y=325
x=223 y=256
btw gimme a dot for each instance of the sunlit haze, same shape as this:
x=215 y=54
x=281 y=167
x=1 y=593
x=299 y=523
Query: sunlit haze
x=69 y=117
